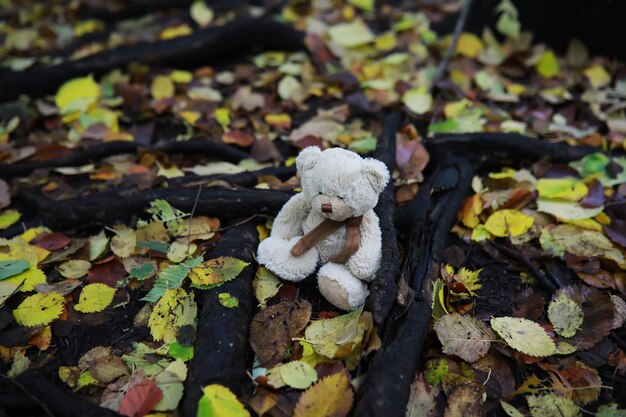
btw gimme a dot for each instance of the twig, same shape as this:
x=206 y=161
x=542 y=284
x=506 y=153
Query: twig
x=193 y=210
x=458 y=29
x=519 y=257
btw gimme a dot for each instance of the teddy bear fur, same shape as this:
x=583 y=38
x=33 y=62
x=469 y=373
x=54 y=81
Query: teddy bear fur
x=351 y=185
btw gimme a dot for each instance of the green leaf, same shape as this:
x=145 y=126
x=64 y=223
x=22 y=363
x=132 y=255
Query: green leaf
x=10 y=268
x=524 y=335
x=162 y=211
x=548 y=66
x=227 y=300
x=157 y=246
x=552 y=405
x=171 y=278
x=178 y=351
x=216 y=271
x=610 y=410
x=364 y=145
x=219 y=401
x=565 y=315
x=142 y=272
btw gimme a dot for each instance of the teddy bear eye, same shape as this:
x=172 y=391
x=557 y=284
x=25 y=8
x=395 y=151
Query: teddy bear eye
x=340 y=197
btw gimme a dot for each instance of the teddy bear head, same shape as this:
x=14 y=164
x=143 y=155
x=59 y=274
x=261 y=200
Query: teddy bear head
x=339 y=184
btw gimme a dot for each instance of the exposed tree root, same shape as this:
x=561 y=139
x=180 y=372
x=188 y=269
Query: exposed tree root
x=200 y=48
x=221 y=349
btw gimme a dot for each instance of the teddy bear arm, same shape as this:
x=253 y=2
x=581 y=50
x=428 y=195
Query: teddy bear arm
x=366 y=260
x=288 y=222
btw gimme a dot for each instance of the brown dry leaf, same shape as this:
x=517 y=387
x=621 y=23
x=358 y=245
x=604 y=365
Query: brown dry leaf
x=330 y=397
x=579 y=383
x=466 y=401
x=238 y=137
x=598 y=315
x=464 y=336
x=422 y=399
x=273 y=328
x=102 y=364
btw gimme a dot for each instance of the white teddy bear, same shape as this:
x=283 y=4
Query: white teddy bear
x=331 y=223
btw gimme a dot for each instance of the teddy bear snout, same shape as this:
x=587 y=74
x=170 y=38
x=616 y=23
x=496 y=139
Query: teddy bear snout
x=327 y=208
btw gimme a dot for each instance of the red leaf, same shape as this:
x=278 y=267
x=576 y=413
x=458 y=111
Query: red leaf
x=53 y=241
x=140 y=399
x=108 y=273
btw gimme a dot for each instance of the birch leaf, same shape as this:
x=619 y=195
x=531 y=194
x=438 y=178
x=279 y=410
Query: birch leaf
x=38 y=309
x=524 y=335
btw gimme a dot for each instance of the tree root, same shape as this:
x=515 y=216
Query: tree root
x=200 y=48
x=97 y=152
x=221 y=348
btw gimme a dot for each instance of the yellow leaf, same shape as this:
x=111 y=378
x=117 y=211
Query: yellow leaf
x=222 y=115
x=296 y=374
x=162 y=87
x=548 y=66
x=176 y=31
x=350 y=35
x=75 y=268
x=33 y=232
x=8 y=218
x=597 y=76
x=338 y=337
x=124 y=241
x=385 y=42
x=181 y=76
x=219 y=401
x=190 y=117
x=200 y=13
x=567 y=210
x=265 y=285
x=77 y=95
x=469 y=45
x=331 y=396
x=552 y=405
x=510 y=223
x=524 y=335
x=278 y=120
x=217 y=271
x=565 y=315
x=95 y=298
x=175 y=309
x=418 y=100
x=39 y=309
x=471 y=208
x=570 y=189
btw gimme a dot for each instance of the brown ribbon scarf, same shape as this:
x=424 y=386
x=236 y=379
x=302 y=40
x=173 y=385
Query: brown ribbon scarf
x=325 y=229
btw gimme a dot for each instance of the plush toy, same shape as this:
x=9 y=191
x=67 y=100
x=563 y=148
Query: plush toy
x=330 y=223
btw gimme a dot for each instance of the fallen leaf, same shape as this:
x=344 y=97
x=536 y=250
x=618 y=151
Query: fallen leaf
x=95 y=298
x=75 y=268
x=551 y=405
x=524 y=335
x=140 y=399
x=597 y=76
x=219 y=401
x=200 y=13
x=175 y=309
x=329 y=397
x=565 y=315
x=422 y=399
x=464 y=336
x=38 y=309
x=162 y=87
x=217 y=271
x=350 y=35
x=418 y=100
x=272 y=330
x=124 y=241
x=265 y=285
x=77 y=95
x=548 y=66
x=511 y=223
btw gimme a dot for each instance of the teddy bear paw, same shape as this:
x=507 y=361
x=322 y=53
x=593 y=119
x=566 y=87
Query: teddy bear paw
x=275 y=254
x=340 y=287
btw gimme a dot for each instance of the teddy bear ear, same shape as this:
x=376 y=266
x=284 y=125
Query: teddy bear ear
x=307 y=158
x=376 y=173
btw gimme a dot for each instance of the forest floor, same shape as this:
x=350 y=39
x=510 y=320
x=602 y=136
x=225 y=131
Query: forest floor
x=146 y=146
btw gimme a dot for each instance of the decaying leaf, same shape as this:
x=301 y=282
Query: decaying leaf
x=464 y=336
x=272 y=330
x=175 y=309
x=338 y=337
x=265 y=285
x=524 y=335
x=565 y=315
x=551 y=405
x=422 y=399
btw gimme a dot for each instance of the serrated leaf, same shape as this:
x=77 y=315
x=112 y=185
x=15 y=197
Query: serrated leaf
x=329 y=397
x=551 y=405
x=95 y=298
x=508 y=223
x=565 y=315
x=171 y=217
x=524 y=335
x=142 y=272
x=296 y=374
x=463 y=336
x=217 y=271
x=175 y=309
x=337 y=337
x=124 y=241
x=265 y=285
x=74 y=269
x=39 y=309
x=170 y=278
x=219 y=401
x=11 y=267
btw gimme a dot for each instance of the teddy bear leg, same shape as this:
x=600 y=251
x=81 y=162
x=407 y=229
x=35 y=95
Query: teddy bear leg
x=340 y=287
x=275 y=254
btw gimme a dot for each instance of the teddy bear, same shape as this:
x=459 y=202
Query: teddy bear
x=330 y=223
